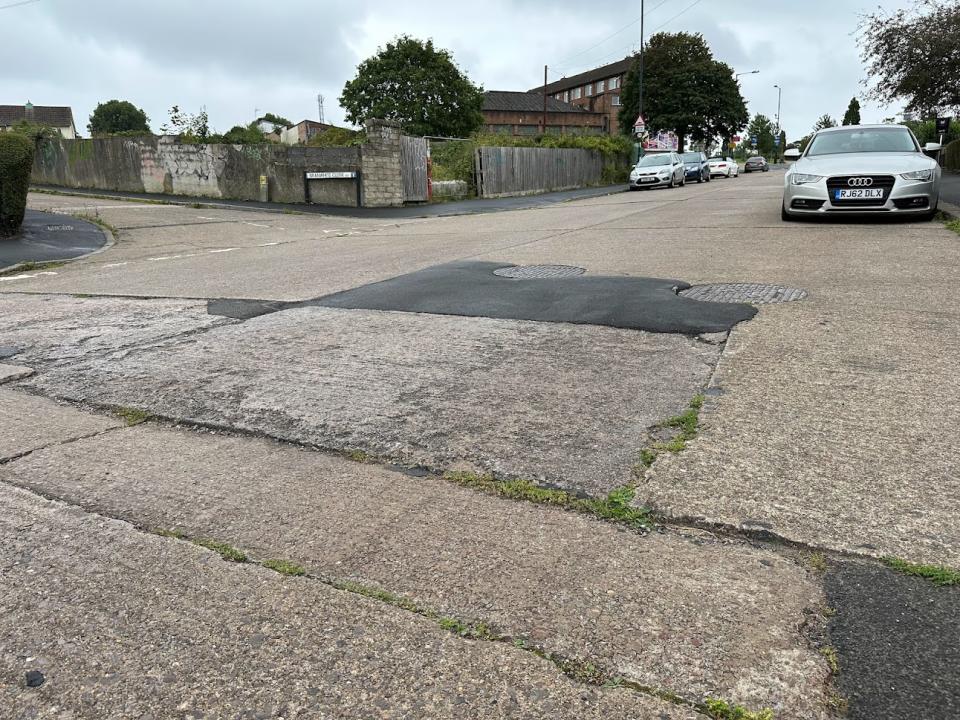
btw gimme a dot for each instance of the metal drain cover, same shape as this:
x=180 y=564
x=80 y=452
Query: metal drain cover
x=539 y=272
x=756 y=293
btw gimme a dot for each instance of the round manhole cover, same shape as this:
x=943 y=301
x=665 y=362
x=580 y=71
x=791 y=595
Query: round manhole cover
x=756 y=293
x=539 y=272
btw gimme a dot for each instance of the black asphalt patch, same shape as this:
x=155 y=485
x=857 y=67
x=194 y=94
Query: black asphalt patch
x=471 y=289
x=898 y=644
x=46 y=237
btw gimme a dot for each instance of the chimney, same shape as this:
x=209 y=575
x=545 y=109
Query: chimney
x=28 y=111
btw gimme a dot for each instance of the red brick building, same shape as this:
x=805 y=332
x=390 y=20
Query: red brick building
x=596 y=91
x=521 y=113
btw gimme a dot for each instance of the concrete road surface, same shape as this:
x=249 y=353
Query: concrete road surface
x=336 y=512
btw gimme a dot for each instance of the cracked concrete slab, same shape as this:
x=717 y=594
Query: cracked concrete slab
x=28 y=422
x=63 y=328
x=564 y=404
x=125 y=624
x=10 y=373
x=835 y=429
x=689 y=613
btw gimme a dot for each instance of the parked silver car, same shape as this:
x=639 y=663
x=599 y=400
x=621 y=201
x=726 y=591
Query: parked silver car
x=862 y=169
x=657 y=170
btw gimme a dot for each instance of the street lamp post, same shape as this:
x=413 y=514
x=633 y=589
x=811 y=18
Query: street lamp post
x=779 y=97
x=748 y=72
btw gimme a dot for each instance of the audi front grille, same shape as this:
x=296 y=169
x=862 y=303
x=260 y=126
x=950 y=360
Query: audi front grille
x=842 y=182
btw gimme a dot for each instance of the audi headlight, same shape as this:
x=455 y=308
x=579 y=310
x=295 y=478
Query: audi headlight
x=801 y=179
x=925 y=175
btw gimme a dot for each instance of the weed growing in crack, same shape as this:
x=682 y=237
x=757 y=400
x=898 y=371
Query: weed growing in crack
x=131 y=416
x=614 y=507
x=686 y=425
x=285 y=567
x=472 y=631
x=830 y=655
x=31 y=267
x=381 y=595
x=178 y=534
x=227 y=552
x=97 y=220
x=937 y=574
x=722 y=710
x=358 y=456
x=817 y=561
x=954 y=225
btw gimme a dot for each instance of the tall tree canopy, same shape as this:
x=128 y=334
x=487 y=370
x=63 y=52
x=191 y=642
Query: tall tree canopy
x=913 y=56
x=825 y=121
x=760 y=127
x=115 y=116
x=852 y=116
x=418 y=85
x=685 y=90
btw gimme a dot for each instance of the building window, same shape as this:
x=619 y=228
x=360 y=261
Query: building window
x=614 y=83
x=576 y=93
x=566 y=96
x=600 y=87
x=615 y=100
x=526 y=130
x=589 y=91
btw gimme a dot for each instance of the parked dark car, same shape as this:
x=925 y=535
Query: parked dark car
x=696 y=166
x=756 y=164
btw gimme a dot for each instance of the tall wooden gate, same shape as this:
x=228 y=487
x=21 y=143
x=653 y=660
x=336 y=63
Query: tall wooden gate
x=414 y=152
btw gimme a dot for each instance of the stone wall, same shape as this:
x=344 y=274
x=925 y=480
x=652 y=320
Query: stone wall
x=382 y=179
x=160 y=165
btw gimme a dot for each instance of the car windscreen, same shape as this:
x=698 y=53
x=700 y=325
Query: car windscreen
x=691 y=157
x=653 y=160
x=862 y=140
x=718 y=158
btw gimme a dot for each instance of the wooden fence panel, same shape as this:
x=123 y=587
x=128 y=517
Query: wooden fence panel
x=413 y=167
x=506 y=171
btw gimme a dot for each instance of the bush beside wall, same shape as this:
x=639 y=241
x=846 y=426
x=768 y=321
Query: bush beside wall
x=16 y=160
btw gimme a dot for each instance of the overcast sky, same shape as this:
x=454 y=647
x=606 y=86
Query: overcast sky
x=236 y=56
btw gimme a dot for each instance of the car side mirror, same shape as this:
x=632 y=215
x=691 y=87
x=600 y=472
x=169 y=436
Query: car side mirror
x=791 y=154
x=932 y=147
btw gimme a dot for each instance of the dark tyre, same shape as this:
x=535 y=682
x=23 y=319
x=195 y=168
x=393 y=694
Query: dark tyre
x=784 y=215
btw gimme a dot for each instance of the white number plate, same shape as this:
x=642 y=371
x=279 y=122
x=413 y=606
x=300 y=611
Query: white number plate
x=859 y=194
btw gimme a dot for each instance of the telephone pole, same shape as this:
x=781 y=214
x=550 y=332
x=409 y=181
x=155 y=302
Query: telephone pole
x=544 y=130
x=640 y=103
x=320 y=106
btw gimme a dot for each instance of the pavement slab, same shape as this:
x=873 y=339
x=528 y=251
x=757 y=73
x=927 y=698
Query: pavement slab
x=834 y=429
x=120 y=624
x=898 y=643
x=689 y=613
x=55 y=329
x=28 y=422
x=10 y=373
x=551 y=402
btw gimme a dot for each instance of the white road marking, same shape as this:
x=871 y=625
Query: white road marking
x=223 y=250
x=268 y=244
x=244 y=222
x=116 y=264
x=27 y=277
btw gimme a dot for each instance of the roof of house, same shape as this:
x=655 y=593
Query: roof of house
x=58 y=117
x=601 y=73
x=510 y=101
x=313 y=123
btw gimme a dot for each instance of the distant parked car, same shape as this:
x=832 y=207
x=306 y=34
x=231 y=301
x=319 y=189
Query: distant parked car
x=756 y=164
x=661 y=169
x=698 y=167
x=721 y=166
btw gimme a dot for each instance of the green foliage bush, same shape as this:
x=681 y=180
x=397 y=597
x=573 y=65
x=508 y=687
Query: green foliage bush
x=338 y=137
x=952 y=156
x=16 y=161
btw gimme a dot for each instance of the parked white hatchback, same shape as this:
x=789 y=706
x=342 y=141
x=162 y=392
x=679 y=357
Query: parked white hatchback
x=721 y=166
x=860 y=170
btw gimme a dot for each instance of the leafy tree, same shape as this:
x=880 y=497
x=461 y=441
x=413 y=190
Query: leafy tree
x=685 y=90
x=118 y=116
x=913 y=55
x=417 y=85
x=16 y=161
x=824 y=122
x=852 y=116
x=37 y=132
x=337 y=137
x=926 y=131
x=190 y=128
x=243 y=135
x=761 y=127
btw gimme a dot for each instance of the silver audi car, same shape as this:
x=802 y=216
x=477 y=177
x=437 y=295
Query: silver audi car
x=862 y=169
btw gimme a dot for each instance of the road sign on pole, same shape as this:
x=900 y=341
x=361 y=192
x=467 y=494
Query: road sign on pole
x=640 y=126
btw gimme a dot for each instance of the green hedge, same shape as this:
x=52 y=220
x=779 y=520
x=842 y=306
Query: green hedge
x=951 y=158
x=16 y=161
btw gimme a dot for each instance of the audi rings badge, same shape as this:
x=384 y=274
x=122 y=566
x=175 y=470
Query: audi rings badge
x=860 y=182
